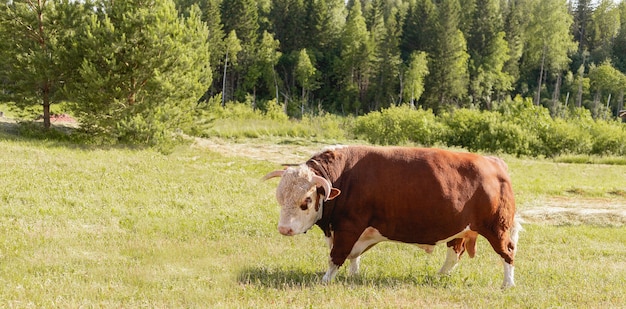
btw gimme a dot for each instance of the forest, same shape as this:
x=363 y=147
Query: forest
x=128 y=66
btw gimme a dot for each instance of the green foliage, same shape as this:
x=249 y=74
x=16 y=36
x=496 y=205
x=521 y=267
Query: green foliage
x=485 y=131
x=35 y=37
x=415 y=77
x=399 y=125
x=148 y=77
x=305 y=73
x=609 y=138
x=562 y=137
x=448 y=63
x=240 y=120
x=354 y=68
x=516 y=127
x=488 y=52
x=606 y=80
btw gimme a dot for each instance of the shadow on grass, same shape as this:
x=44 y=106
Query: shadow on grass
x=9 y=127
x=289 y=278
x=59 y=135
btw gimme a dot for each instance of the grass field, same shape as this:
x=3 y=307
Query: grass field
x=125 y=228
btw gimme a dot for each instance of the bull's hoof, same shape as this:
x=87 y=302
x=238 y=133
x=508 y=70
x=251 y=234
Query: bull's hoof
x=508 y=285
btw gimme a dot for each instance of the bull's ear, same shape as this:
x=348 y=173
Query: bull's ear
x=334 y=192
x=273 y=174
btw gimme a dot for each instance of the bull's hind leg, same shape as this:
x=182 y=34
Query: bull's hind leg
x=456 y=247
x=453 y=254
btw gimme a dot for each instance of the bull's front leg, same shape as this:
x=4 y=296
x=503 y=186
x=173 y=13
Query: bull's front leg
x=342 y=244
x=354 y=262
x=331 y=272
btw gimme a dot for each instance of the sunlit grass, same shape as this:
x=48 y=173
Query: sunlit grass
x=119 y=227
x=583 y=159
x=536 y=178
x=324 y=127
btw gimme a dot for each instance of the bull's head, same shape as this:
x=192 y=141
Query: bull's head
x=297 y=194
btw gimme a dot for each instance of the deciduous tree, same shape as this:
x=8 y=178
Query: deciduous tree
x=355 y=56
x=414 y=77
x=306 y=74
x=488 y=53
x=548 y=40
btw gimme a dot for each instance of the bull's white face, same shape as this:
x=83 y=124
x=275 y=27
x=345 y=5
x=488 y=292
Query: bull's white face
x=298 y=199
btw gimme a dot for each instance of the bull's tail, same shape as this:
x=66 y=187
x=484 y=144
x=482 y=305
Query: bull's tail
x=514 y=232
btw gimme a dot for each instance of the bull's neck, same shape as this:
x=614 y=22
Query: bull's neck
x=326 y=207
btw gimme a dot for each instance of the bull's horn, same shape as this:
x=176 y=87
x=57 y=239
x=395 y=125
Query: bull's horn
x=274 y=174
x=321 y=181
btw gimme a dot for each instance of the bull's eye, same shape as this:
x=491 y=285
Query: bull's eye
x=305 y=205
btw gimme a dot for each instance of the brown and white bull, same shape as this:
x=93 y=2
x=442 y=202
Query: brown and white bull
x=361 y=195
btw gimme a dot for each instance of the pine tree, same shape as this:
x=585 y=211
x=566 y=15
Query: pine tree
x=378 y=54
x=605 y=25
x=287 y=19
x=35 y=37
x=619 y=45
x=211 y=16
x=215 y=41
x=582 y=19
x=143 y=70
x=232 y=47
x=448 y=79
x=328 y=18
x=418 y=29
x=266 y=58
x=514 y=23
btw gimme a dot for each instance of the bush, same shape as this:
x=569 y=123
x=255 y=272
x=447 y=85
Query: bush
x=399 y=125
x=464 y=127
x=485 y=131
x=609 y=138
x=563 y=137
x=240 y=120
x=515 y=126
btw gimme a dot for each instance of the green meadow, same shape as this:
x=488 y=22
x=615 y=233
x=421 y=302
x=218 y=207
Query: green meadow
x=123 y=228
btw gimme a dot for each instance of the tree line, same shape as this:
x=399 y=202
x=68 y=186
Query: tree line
x=136 y=68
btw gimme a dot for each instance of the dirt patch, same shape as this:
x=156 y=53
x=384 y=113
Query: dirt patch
x=575 y=211
x=286 y=151
x=60 y=118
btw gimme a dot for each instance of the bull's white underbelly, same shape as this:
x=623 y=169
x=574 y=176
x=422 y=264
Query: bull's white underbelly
x=372 y=236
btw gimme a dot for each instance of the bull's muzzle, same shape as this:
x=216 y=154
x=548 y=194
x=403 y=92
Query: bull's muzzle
x=285 y=230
